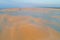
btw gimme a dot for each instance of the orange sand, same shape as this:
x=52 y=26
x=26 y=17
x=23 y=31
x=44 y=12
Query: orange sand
x=20 y=28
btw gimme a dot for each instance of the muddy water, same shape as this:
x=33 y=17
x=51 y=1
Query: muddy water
x=30 y=25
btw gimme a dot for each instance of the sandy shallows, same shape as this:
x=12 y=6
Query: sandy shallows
x=21 y=28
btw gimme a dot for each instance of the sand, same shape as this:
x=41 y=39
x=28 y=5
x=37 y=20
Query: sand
x=21 y=27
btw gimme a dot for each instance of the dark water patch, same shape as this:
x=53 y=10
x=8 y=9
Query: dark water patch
x=0 y=28
x=54 y=27
x=55 y=20
x=2 y=13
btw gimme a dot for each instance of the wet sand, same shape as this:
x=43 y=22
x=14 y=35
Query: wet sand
x=28 y=27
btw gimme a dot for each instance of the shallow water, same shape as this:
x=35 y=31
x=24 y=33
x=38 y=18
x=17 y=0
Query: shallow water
x=44 y=16
x=20 y=18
